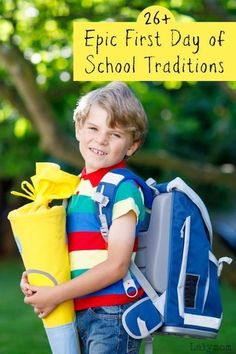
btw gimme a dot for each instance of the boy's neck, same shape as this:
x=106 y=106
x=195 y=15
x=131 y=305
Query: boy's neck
x=96 y=176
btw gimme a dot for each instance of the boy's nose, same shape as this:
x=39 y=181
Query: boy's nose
x=102 y=138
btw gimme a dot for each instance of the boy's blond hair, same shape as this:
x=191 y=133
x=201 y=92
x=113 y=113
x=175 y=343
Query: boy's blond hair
x=123 y=108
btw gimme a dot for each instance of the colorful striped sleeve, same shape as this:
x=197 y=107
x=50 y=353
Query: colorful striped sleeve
x=128 y=197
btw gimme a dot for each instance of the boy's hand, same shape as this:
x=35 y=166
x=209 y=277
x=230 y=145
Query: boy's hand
x=24 y=284
x=42 y=299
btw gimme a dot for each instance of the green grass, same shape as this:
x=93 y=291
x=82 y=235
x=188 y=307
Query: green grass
x=21 y=332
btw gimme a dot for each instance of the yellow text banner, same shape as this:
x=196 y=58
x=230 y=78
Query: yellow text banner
x=155 y=48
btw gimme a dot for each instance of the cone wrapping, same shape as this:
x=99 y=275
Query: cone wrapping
x=40 y=233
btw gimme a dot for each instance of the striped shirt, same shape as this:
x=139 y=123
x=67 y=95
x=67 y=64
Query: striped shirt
x=87 y=247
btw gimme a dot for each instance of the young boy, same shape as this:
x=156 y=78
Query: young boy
x=110 y=125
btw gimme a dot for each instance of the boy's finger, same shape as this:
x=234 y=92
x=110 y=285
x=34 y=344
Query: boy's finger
x=37 y=311
x=28 y=300
x=24 y=277
x=24 y=281
x=29 y=292
x=32 y=288
x=41 y=315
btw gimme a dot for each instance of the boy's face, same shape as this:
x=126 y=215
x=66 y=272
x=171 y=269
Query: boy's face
x=100 y=145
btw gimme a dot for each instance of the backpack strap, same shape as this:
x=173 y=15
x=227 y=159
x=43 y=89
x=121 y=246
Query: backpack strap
x=105 y=198
x=106 y=192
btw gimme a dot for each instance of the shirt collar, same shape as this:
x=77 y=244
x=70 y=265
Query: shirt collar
x=96 y=176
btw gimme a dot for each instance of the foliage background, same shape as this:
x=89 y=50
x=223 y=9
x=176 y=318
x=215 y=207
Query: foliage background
x=192 y=124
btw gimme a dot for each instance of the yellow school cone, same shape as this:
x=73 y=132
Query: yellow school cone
x=40 y=234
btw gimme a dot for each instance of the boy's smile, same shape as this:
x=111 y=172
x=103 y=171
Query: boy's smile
x=98 y=152
x=101 y=145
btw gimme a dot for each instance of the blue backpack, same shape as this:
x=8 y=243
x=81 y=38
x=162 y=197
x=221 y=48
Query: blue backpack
x=174 y=264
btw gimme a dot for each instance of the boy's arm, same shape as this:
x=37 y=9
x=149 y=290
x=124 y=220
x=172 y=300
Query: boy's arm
x=120 y=246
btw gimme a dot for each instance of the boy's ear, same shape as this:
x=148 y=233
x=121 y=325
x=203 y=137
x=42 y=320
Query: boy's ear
x=131 y=150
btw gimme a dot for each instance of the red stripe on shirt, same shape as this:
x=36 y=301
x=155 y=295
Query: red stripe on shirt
x=105 y=300
x=86 y=241
x=90 y=241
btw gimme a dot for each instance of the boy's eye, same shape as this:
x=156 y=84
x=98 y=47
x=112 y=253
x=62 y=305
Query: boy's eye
x=116 y=135
x=92 y=128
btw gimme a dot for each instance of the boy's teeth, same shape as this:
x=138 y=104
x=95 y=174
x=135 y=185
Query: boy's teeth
x=99 y=152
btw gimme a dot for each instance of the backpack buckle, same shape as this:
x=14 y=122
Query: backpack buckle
x=101 y=199
x=129 y=285
x=130 y=288
x=152 y=184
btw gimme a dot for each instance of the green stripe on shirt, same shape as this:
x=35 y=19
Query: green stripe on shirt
x=82 y=204
x=128 y=192
x=77 y=272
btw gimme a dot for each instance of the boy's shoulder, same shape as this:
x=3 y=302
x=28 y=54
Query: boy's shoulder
x=124 y=180
x=119 y=183
x=120 y=191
